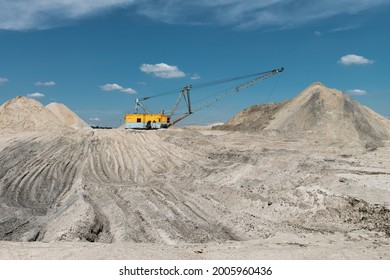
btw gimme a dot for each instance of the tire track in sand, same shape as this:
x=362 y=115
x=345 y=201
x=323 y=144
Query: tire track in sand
x=144 y=183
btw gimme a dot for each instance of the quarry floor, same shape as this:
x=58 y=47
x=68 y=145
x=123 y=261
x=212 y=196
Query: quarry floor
x=191 y=193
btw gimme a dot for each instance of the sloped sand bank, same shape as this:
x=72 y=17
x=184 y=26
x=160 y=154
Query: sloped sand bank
x=191 y=193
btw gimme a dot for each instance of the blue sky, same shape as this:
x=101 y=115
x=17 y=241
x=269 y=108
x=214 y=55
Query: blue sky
x=97 y=56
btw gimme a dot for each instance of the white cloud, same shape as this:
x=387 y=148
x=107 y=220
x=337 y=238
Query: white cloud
x=353 y=59
x=128 y=90
x=142 y=83
x=95 y=119
x=116 y=87
x=3 y=80
x=44 y=14
x=253 y=14
x=337 y=29
x=45 y=84
x=344 y=28
x=356 y=92
x=162 y=70
x=35 y=95
x=110 y=87
x=195 y=77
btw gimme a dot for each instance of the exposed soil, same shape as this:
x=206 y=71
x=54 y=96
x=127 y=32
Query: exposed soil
x=254 y=119
x=190 y=189
x=317 y=114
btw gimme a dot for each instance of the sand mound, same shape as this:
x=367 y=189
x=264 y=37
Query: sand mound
x=329 y=114
x=25 y=114
x=254 y=118
x=67 y=116
x=181 y=186
x=317 y=112
x=171 y=187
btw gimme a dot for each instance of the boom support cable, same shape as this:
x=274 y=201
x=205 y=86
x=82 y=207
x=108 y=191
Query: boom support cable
x=184 y=92
x=210 y=83
x=239 y=88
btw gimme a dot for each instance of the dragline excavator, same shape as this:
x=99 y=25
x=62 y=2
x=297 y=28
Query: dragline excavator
x=147 y=120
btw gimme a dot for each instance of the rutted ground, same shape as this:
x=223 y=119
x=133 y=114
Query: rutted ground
x=186 y=186
x=310 y=177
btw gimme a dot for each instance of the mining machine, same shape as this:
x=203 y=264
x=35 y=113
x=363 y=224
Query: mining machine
x=141 y=118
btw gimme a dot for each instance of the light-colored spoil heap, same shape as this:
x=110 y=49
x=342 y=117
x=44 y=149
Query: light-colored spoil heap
x=318 y=113
x=254 y=118
x=175 y=187
x=67 y=116
x=330 y=114
x=26 y=114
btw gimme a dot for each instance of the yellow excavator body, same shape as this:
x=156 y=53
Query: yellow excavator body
x=147 y=121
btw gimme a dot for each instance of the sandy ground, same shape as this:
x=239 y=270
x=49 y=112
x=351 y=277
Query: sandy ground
x=280 y=247
x=191 y=194
x=305 y=179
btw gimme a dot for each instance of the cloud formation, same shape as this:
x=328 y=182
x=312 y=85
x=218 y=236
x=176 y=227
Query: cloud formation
x=116 y=87
x=337 y=29
x=356 y=92
x=43 y=14
x=353 y=59
x=254 y=13
x=3 y=80
x=45 y=84
x=162 y=70
x=195 y=77
x=344 y=28
x=35 y=95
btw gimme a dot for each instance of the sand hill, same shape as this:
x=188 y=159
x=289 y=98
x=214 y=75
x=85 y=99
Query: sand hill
x=254 y=118
x=26 y=114
x=317 y=112
x=67 y=116
x=176 y=187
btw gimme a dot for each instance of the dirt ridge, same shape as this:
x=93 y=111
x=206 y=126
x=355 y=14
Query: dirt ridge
x=195 y=186
x=318 y=113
